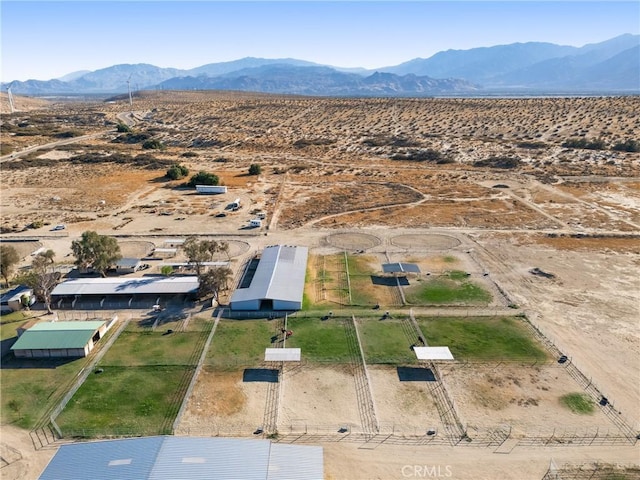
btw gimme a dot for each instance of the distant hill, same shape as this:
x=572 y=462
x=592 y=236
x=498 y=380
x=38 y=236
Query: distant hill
x=283 y=78
x=612 y=66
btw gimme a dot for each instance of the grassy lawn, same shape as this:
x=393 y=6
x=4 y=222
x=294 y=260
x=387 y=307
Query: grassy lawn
x=385 y=342
x=319 y=340
x=135 y=348
x=30 y=387
x=453 y=288
x=578 y=403
x=363 y=292
x=240 y=342
x=483 y=339
x=138 y=400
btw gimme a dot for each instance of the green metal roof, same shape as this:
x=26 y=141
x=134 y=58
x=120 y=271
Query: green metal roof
x=54 y=335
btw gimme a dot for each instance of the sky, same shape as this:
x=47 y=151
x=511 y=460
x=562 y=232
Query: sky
x=48 y=39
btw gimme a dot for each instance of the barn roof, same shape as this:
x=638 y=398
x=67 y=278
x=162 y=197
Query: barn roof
x=128 y=286
x=55 y=335
x=169 y=457
x=279 y=276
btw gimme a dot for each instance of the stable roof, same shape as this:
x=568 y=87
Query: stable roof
x=169 y=457
x=127 y=262
x=400 y=268
x=433 y=353
x=279 y=276
x=159 y=285
x=281 y=354
x=57 y=335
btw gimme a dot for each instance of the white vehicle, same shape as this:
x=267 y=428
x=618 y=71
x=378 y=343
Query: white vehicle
x=58 y=227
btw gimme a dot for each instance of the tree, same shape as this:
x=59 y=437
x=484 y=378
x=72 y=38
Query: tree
x=255 y=169
x=166 y=270
x=213 y=281
x=204 y=178
x=177 y=171
x=9 y=258
x=123 y=128
x=43 y=277
x=201 y=251
x=97 y=251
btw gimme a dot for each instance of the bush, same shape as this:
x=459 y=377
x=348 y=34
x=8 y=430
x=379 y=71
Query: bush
x=255 y=169
x=153 y=145
x=123 y=128
x=428 y=155
x=498 y=162
x=204 y=178
x=177 y=171
x=627 y=146
x=597 y=144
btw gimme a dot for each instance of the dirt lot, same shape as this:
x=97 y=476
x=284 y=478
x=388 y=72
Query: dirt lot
x=335 y=176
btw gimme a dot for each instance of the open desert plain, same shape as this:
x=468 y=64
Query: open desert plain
x=528 y=209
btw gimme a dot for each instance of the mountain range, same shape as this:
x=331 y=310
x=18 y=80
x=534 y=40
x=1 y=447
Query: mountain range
x=612 y=66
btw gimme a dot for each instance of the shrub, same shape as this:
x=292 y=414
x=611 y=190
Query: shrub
x=177 y=171
x=123 y=128
x=204 y=178
x=255 y=169
x=498 y=162
x=153 y=145
x=428 y=155
x=597 y=144
x=627 y=146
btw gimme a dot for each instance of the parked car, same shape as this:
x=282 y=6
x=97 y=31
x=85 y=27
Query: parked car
x=58 y=227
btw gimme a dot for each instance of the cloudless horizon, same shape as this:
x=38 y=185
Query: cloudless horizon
x=44 y=40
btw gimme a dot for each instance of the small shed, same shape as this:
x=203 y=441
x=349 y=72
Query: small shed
x=11 y=301
x=173 y=242
x=400 y=267
x=59 y=339
x=165 y=252
x=127 y=265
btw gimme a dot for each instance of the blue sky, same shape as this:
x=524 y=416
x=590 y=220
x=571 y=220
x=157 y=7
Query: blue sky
x=44 y=40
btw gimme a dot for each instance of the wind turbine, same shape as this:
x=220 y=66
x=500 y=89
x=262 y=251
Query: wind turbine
x=11 y=104
x=129 y=86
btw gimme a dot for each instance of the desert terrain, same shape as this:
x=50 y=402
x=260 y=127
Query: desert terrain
x=488 y=182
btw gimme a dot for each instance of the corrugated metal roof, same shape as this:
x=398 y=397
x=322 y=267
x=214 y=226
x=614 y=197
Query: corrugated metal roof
x=187 y=458
x=128 y=286
x=400 y=267
x=55 y=335
x=279 y=276
x=206 y=458
x=131 y=458
x=295 y=462
x=281 y=354
x=127 y=262
x=433 y=353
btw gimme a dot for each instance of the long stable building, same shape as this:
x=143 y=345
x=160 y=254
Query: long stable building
x=277 y=283
x=59 y=339
x=140 y=292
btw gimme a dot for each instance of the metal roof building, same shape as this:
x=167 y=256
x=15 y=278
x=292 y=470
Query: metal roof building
x=278 y=281
x=159 y=285
x=59 y=339
x=193 y=458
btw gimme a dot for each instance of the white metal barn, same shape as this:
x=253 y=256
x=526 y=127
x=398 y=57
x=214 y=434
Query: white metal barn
x=278 y=281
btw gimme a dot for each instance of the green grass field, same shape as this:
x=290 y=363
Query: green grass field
x=240 y=343
x=319 y=341
x=30 y=387
x=385 y=342
x=140 y=400
x=484 y=338
x=451 y=289
x=152 y=348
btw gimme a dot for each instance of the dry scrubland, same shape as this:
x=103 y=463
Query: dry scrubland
x=485 y=182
